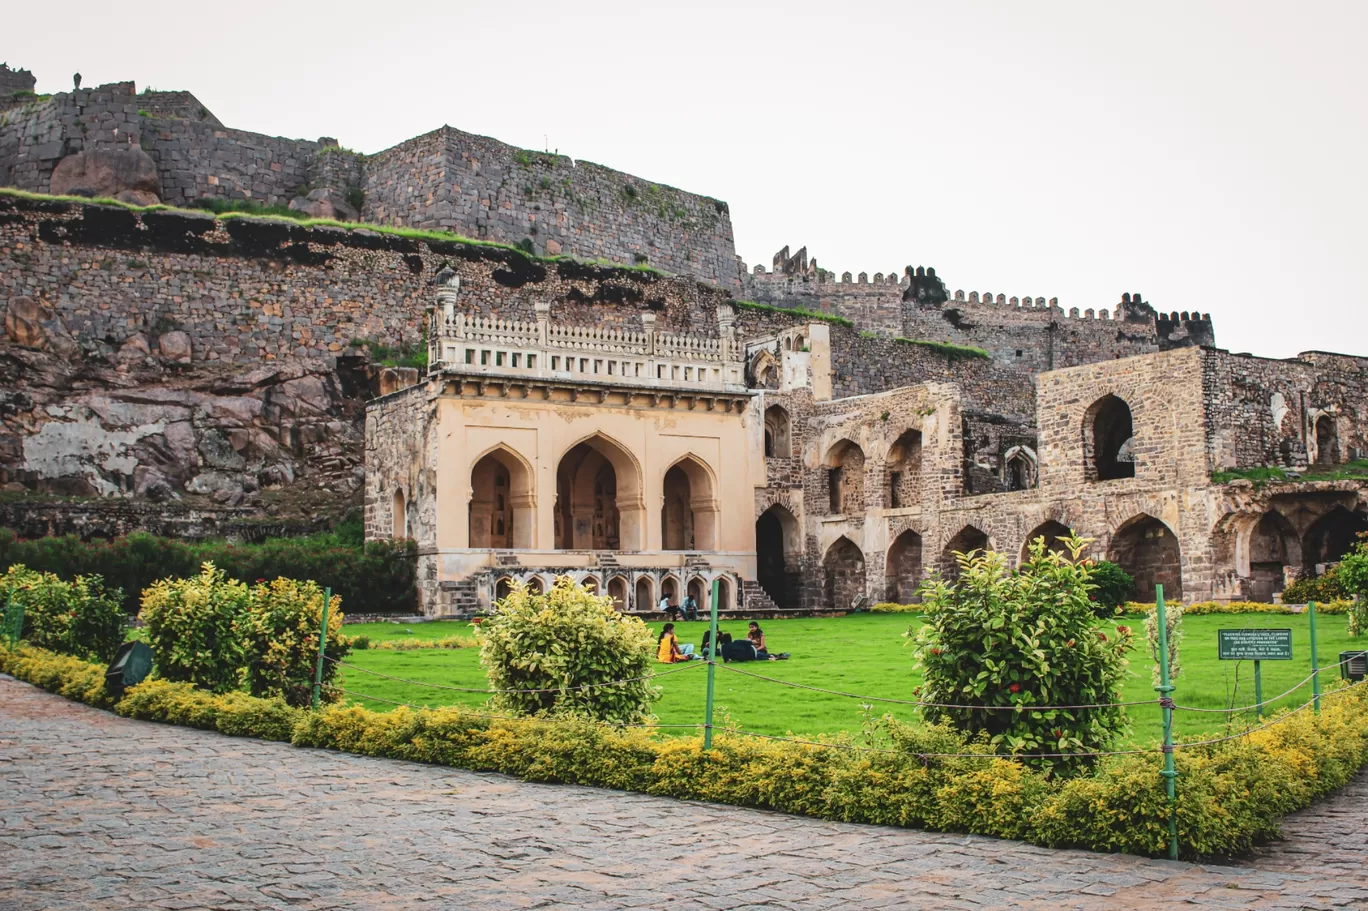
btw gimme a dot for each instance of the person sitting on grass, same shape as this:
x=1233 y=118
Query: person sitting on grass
x=668 y=648
x=743 y=650
x=756 y=636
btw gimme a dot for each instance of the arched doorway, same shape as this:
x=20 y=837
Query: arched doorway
x=777 y=440
x=590 y=584
x=966 y=541
x=726 y=597
x=844 y=571
x=598 y=498
x=400 y=517
x=1147 y=549
x=669 y=589
x=776 y=550
x=1273 y=546
x=688 y=517
x=903 y=568
x=1053 y=532
x=1327 y=441
x=535 y=586
x=503 y=588
x=645 y=594
x=845 y=479
x=617 y=590
x=1331 y=537
x=904 y=470
x=1108 y=433
x=501 y=507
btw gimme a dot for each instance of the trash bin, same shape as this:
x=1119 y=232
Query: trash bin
x=131 y=665
x=1353 y=665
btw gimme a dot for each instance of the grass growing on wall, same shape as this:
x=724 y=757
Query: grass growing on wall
x=795 y=311
x=951 y=352
x=225 y=209
x=1260 y=475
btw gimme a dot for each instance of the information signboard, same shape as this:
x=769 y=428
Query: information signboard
x=1254 y=644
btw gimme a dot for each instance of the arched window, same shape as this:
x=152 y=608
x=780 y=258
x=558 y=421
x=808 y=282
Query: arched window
x=777 y=442
x=904 y=469
x=617 y=590
x=1108 y=434
x=503 y=588
x=845 y=479
x=645 y=594
x=400 y=515
x=1327 y=441
x=1019 y=469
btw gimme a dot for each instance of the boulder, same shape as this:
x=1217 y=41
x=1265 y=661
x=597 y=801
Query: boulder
x=126 y=174
x=174 y=346
x=326 y=203
x=134 y=348
x=151 y=484
x=30 y=324
x=392 y=379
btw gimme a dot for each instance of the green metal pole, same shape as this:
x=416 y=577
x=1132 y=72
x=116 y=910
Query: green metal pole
x=322 y=646
x=1165 y=689
x=1315 y=662
x=1258 y=692
x=712 y=667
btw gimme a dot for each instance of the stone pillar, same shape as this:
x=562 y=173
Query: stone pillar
x=543 y=309
x=524 y=521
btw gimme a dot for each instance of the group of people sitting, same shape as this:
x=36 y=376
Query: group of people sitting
x=686 y=611
x=752 y=648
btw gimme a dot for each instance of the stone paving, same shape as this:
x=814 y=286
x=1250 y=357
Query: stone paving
x=100 y=811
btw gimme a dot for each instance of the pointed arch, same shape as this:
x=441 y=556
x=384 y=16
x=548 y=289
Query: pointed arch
x=670 y=588
x=644 y=596
x=688 y=514
x=599 y=502
x=502 y=507
x=778 y=542
x=904 y=465
x=843 y=569
x=503 y=588
x=968 y=539
x=399 y=514
x=1148 y=550
x=1053 y=532
x=903 y=568
x=1327 y=440
x=1331 y=537
x=1108 y=439
x=845 y=465
x=617 y=590
x=778 y=439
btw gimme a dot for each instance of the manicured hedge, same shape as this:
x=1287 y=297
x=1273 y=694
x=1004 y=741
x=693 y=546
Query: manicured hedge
x=1231 y=796
x=374 y=578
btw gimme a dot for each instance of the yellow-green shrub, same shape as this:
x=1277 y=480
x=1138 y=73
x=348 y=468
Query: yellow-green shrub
x=195 y=628
x=1240 y=607
x=76 y=618
x=279 y=636
x=65 y=675
x=892 y=607
x=228 y=713
x=403 y=645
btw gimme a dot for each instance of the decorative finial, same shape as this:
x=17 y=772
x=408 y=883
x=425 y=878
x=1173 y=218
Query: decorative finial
x=77 y=79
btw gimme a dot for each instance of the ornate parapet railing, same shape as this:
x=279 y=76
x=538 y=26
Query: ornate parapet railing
x=477 y=345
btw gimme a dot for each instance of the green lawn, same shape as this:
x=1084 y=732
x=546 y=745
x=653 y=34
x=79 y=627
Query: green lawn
x=863 y=654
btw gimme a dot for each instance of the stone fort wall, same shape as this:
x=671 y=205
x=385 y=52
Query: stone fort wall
x=446 y=180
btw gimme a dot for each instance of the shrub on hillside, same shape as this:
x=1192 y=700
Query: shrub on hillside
x=994 y=639
x=195 y=629
x=77 y=618
x=566 y=644
x=378 y=577
x=280 y=640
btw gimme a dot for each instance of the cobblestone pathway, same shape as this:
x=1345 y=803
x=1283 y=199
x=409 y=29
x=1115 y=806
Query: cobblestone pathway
x=99 y=811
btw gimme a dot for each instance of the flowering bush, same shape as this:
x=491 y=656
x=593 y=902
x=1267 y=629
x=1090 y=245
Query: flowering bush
x=280 y=640
x=195 y=628
x=996 y=638
x=560 y=641
x=77 y=618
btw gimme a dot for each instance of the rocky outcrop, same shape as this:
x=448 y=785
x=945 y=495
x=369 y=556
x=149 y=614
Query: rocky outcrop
x=30 y=324
x=120 y=421
x=326 y=203
x=128 y=175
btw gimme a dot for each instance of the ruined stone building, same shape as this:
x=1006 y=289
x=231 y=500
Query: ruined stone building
x=810 y=441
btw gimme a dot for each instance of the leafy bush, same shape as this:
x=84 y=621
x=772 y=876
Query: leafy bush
x=892 y=607
x=280 y=640
x=1326 y=587
x=1113 y=588
x=378 y=577
x=77 y=618
x=195 y=628
x=1238 y=607
x=1231 y=796
x=996 y=638
x=404 y=645
x=562 y=640
x=1352 y=573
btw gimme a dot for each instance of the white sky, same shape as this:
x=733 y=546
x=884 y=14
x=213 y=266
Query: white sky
x=1210 y=155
